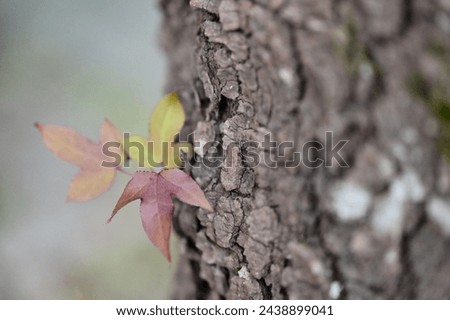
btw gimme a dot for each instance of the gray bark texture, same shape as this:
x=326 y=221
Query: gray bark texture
x=375 y=73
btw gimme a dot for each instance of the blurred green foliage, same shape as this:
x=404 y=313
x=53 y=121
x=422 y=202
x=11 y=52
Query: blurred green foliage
x=435 y=94
x=352 y=50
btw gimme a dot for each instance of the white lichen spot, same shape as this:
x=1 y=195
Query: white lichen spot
x=388 y=215
x=316 y=268
x=410 y=135
x=244 y=273
x=439 y=211
x=391 y=257
x=335 y=290
x=316 y=25
x=415 y=190
x=389 y=211
x=386 y=168
x=286 y=76
x=366 y=71
x=350 y=201
x=199 y=149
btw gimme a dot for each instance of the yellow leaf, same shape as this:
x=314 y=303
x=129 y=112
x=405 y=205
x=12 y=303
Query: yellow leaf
x=137 y=149
x=165 y=123
x=172 y=157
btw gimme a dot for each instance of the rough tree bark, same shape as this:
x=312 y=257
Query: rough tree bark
x=366 y=70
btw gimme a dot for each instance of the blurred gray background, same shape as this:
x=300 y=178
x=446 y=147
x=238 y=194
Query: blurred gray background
x=72 y=63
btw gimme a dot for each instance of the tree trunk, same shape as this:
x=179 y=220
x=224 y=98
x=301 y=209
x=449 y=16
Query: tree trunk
x=374 y=73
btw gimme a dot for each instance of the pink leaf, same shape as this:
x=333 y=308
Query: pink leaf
x=156 y=215
x=155 y=190
x=186 y=189
x=135 y=189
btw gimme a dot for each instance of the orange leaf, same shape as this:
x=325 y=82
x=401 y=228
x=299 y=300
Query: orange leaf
x=67 y=144
x=70 y=146
x=88 y=184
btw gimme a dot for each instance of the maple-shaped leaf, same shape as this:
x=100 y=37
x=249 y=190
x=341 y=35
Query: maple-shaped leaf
x=93 y=178
x=159 y=150
x=155 y=190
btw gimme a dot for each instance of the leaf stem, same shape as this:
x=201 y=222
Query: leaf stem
x=120 y=169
